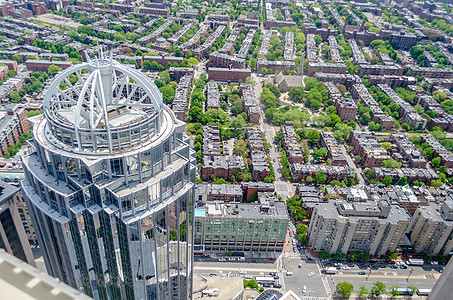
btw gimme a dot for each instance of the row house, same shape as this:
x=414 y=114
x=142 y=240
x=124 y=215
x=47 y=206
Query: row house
x=368 y=148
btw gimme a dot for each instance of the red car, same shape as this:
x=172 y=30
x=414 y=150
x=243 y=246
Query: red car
x=290 y=233
x=271 y=258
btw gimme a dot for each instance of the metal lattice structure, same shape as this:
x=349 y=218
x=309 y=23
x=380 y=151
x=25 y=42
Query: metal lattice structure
x=96 y=92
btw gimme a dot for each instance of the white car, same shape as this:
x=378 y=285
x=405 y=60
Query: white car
x=289 y=273
x=222 y=259
x=311 y=274
x=346 y=268
x=305 y=289
x=243 y=272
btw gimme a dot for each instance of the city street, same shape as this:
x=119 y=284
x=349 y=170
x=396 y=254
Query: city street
x=421 y=277
x=282 y=187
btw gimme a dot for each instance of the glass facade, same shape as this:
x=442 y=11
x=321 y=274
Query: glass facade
x=115 y=225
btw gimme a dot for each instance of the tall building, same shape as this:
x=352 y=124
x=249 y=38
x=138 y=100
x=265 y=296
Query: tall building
x=109 y=185
x=241 y=226
x=431 y=228
x=12 y=234
x=372 y=226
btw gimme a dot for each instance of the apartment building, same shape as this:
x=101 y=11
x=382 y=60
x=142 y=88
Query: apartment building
x=291 y=145
x=393 y=81
x=430 y=72
x=407 y=112
x=412 y=174
x=333 y=149
x=177 y=73
x=212 y=96
x=260 y=166
x=372 y=226
x=346 y=79
x=246 y=43
x=403 y=40
x=368 y=69
x=36 y=65
x=431 y=228
x=275 y=65
x=360 y=92
x=207 y=45
x=289 y=46
x=179 y=105
x=13 y=124
x=408 y=150
x=311 y=48
x=228 y=47
x=211 y=141
x=368 y=148
x=300 y=171
x=223 y=60
x=12 y=234
x=207 y=192
x=336 y=68
x=439 y=150
x=250 y=104
x=228 y=75
x=241 y=227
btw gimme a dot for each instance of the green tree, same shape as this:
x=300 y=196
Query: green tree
x=386 y=145
x=320 y=177
x=16 y=58
x=402 y=181
x=342 y=132
x=391 y=163
x=53 y=69
x=14 y=96
x=392 y=256
x=436 y=183
x=387 y=181
x=338 y=256
x=436 y=162
x=394 y=290
x=345 y=289
x=370 y=174
x=168 y=94
x=364 y=256
x=353 y=255
x=324 y=254
x=363 y=292
x=413 y=288
x=378 y=289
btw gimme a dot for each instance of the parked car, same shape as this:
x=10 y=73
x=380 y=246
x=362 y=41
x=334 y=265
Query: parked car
x=272 y=273
x=271 y=258
x=403 y=267
x=394 y=266
x=311 y=274
x=300 y=265
x=346 y=268
x=277 y=285
x=289 y=273
x=294 y=249
x=361 y=273
x=222 y=259
x=304 y=290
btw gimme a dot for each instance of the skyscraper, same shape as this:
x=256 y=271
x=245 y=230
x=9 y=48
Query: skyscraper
x=110 y=185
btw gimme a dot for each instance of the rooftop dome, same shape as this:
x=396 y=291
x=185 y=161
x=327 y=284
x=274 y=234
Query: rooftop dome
x=91 y=106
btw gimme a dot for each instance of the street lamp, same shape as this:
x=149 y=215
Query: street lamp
x=410 y=273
